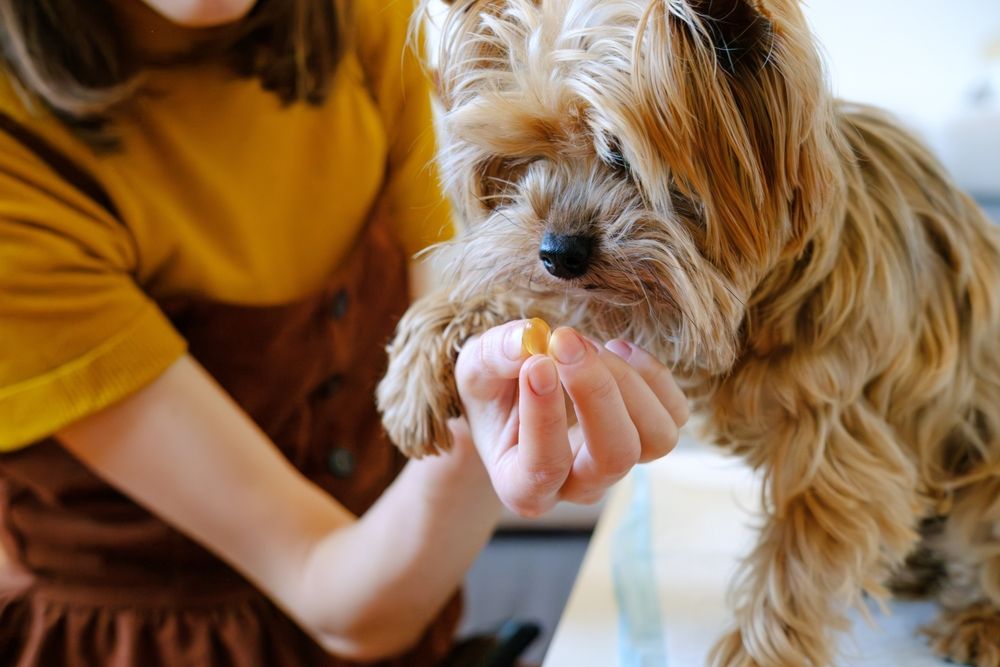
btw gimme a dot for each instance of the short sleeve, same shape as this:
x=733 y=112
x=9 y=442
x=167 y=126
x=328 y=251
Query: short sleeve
x=413 y=194
x=76 y=333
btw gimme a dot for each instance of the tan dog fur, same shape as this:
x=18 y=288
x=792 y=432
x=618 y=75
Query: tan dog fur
x=829 y=298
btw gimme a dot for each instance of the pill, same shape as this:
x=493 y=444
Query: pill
x=535 y=337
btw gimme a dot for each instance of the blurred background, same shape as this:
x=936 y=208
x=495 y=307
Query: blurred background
x=936 y=65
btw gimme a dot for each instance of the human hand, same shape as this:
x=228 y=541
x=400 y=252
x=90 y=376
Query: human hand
x=627 y=404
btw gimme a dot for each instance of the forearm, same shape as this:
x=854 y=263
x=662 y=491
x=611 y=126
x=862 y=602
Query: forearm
x=362 y=587
x=396 y=567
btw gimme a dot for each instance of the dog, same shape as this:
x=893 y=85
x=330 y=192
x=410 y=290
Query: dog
x=677 y=173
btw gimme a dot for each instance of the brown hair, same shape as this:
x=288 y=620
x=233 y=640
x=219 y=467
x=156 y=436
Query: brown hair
x=73 y=57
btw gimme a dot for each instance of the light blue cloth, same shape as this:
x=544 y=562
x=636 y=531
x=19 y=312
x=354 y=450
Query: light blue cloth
x=641 y=634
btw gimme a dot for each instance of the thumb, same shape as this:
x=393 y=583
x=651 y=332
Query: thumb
x=487 y=363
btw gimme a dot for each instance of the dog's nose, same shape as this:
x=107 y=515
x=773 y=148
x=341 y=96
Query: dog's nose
x=565 y=256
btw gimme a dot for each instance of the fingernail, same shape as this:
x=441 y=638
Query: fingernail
x=512 y=343
x=542 y=376
x=567 y=347
x=620 y=348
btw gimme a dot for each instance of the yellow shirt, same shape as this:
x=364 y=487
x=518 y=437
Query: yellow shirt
x=218 y=190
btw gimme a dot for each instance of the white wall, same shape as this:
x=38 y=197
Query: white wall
x=935 y=64
x=919 y=57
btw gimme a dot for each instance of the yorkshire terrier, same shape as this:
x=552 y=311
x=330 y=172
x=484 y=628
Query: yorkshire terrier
x=677 y=173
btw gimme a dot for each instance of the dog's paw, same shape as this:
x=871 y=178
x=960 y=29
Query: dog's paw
x=920 y=576
x=415 y=409
x=969 y=636
x=418 y=395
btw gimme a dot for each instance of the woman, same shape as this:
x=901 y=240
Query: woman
x=206 y=208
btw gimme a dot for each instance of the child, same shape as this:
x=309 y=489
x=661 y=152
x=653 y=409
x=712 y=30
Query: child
x=206 y=208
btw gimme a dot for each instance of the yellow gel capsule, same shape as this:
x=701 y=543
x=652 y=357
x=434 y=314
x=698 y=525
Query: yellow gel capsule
x=535 y=337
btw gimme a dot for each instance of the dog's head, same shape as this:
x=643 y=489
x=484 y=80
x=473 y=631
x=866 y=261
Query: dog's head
x=648 y=162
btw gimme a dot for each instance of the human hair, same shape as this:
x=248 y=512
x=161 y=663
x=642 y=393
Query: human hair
x=74 y=57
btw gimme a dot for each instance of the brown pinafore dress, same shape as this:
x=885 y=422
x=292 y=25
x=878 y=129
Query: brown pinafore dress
x=108 y=584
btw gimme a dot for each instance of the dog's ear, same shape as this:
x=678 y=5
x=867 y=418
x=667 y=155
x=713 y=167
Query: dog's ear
x=735 y=102
x=474 y=42
x=475 y=55
x=740 y=31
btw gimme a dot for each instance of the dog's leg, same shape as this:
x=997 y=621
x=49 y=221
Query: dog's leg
x=968 y=630
x=923 y=572
x=841 y=513
x=418 y=395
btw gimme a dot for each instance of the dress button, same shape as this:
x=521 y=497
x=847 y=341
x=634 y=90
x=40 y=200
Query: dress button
x=331 y=386
x=340 y=462
x=338 y=307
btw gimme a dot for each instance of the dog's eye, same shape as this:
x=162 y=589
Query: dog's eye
x=615 y=158
x=498 y=179
x=687 y=207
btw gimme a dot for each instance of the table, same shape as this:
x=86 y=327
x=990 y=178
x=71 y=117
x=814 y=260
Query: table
x=651 y=589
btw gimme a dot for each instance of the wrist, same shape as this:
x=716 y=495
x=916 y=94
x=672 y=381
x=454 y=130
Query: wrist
x=459 y=474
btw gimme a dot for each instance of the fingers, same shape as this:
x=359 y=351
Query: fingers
x=542 y=459
x=613 y=443
x=518 y=416
x=657 y=376
x=627 y=404
x=654 y=422
x=629 y=407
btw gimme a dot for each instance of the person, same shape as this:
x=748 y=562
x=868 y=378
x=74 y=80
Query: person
x=206 y=210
